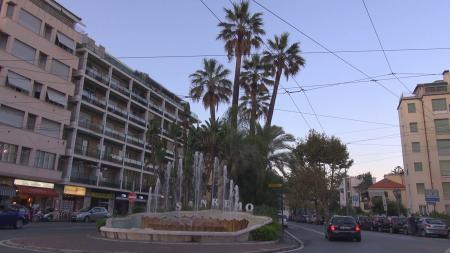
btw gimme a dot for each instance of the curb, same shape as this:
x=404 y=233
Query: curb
x=10 y=244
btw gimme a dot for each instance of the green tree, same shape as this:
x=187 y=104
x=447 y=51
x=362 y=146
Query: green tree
x=211 y=85
x=240 y=32
x=158 y=147
x=398 y=170
x=255 y=80
x=366 y=181
x=283 y=59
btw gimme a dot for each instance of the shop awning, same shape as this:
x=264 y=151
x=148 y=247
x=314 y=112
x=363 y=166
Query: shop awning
x=7 y=191
x=35 y=191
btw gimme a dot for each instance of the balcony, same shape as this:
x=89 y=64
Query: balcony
x=137 y=119
x=110 y=157
x=156 y=108
x=116 y=86
x=86 y=151
x=83 y=180
x=87 y=124
x=139 y=98
x=99 y=76
x=136 y=141
x=91 y=98
x=118 y=110
x=170 y=116
x=110 y=184
x=114 y=134
x=133 y=163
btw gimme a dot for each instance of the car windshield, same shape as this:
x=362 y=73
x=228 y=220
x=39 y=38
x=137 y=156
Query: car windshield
x=343 y=220
x=86 y=209
x=434 y=221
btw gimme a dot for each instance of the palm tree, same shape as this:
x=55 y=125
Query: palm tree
x=240 y=31
x=283 y=59
x=262 y=106
x=211 y=85
x=255 y=80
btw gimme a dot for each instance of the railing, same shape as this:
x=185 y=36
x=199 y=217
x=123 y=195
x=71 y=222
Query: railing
x=170 y=116
x=133 y=163
x=139 y=98
x=114 y=134
x=135 y=141
x=117 y=110
x=91 y=98
x=137 y=119
x=86 y=151
x=89 y=125
x=83 y=180
x=101 y=77
x=116 y=86
x=155 y=107
x=109 y=184
x=112 y=158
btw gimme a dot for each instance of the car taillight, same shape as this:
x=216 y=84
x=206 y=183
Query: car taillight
x=332 y=227
x=357 y=228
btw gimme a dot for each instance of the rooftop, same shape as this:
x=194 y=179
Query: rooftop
x=386 y=184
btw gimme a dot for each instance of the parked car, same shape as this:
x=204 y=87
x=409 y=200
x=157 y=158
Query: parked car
x=377 y=222
x=301 y=218
x=23 y=210
x=90 y=214
x=409 y=229
x=11 y=216
x=317 y=219
x=431 y=226
x=342 y=227
x=308 y=218
x=393 y=224
x=365 y=223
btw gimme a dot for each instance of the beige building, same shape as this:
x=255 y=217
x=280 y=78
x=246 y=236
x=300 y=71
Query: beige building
x=37 y=58
x=425 y=136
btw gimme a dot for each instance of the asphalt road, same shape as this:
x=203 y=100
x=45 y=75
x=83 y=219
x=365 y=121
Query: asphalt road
x=372 y=242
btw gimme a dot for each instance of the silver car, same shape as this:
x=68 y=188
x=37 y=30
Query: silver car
x=90 y=214
x=431 y=226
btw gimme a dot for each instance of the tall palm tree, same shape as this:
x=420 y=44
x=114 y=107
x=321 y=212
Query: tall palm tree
x=262 y=107
x=255 y=80
x=283 y=59
x=211 y=85
x=241 y=32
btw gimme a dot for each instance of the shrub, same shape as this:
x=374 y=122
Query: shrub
x=100 y=223
x=264 y=210
x=138 y=209
x=269 y=232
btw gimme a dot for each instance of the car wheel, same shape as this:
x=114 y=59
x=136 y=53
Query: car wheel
x=86 y=219
x=19 y=224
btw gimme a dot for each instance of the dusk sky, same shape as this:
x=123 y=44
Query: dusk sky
x=177 y=28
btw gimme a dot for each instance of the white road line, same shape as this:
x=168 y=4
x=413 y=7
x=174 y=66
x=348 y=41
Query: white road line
x=309 y=229
x=448 y=250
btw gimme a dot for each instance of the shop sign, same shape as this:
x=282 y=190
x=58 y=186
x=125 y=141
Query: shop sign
x=101 y=195
x=74 y=190
x=33 y=183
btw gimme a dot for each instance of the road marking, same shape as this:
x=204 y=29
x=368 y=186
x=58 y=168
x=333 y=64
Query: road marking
x=448 y=250
x=309 y=229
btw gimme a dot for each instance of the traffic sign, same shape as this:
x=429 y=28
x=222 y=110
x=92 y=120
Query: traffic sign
x=431 y=196
x=132 y=197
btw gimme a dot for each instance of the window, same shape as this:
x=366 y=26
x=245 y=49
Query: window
x=413 y=127
x=420 y=188
x=446 y=190
x=44 y=160
x=55 y=97
x=42 y=61
x=439 y=104
x=8 y=152
x=50 y=128
x=411 y=108
x=65 y=42
x=23 y=51
x=444 y=166
x=415 y=146
x=442 y=126
x=37 y=88
x=10 y=9
x=25 y=156
x=60 y=69
x=443 y=147
x=29 y=21
x=48 y=31
x=31 y=122
x=18 y=82
x=418 y=166
x=3 y=40
x=11 y=116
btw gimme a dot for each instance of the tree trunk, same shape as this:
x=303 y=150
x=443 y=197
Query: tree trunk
x=212 y=111
x=237 y=77
x=253 y=112
x=274 y=97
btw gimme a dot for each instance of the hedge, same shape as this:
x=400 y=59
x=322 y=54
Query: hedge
x=269 y=232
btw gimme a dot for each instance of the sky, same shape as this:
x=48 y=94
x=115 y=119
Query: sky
x=186 y=27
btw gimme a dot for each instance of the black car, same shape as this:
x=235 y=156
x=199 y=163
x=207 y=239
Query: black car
x=12 y=216
x=342 y=227
x=365 y=223
x=393 y=224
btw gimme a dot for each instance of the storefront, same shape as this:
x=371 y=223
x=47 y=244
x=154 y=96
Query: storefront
x=7 y=192
x=34 y=194
x=123 y=205
x=103 y=199
x=73 y=198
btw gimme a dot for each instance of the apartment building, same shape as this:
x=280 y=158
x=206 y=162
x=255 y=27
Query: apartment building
x=349 y=194
x=37 y=59
x=108 y=152
x=425 y=136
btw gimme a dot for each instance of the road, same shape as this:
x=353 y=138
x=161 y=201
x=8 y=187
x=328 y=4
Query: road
x=372 y=242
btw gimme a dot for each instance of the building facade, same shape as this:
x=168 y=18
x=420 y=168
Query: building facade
x=37 y=51
x=73 y=118
x=349 y=194
x=425 y=137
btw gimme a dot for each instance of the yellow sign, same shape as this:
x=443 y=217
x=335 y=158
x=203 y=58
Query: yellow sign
x=101 y=195
x=275 y=185
x=74 y=190
x=33 y=183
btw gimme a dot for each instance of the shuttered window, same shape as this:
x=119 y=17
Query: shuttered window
x=65 y=42
x=413 y=127
x=50 y=128
x=60 y=69
x=18 y=82
x=418 y=166
x=443 y=147
x=444 y=166
x=439 y=104
x=446 y=190
x=29 y=21
x=11 y=116
x=23 y=51
x=56 y=97
x=442 y=126
x=44 y=160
